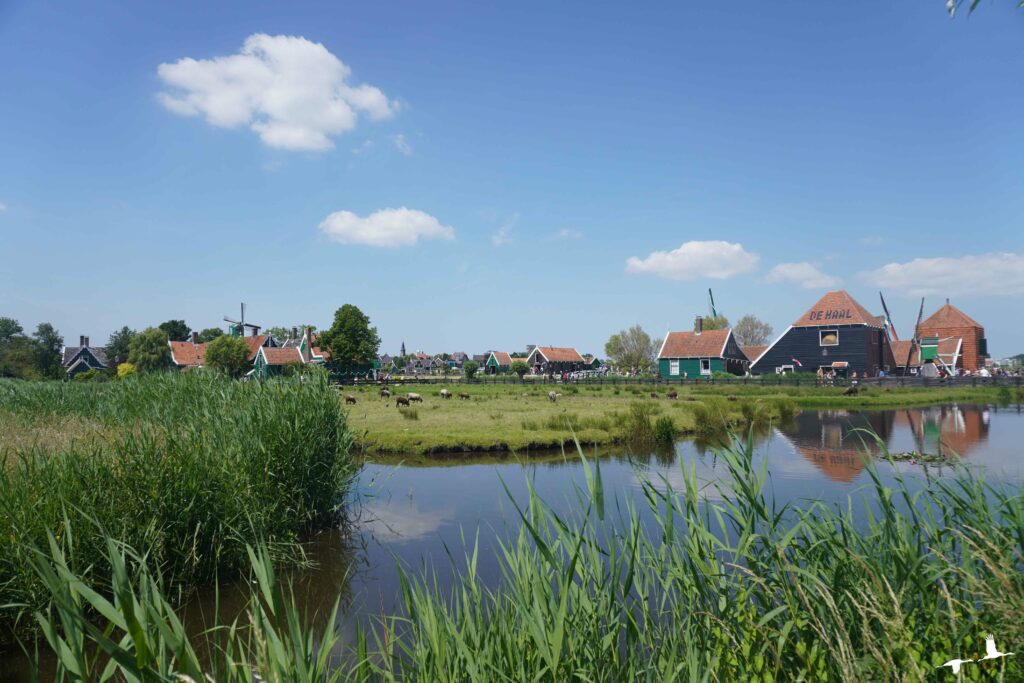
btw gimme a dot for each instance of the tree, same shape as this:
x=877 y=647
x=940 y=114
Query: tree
x=469 y=368
x=117 y=345
x=148 y=350
x=209 y=334
x=18 y=358
x=520 y=368
x=632 y=348
x=48 y=345
x=227 y=354
x=125 y=370
x=718 y=322
x=176 y=330
x=350 y=339
x=751 y=331
x=9 y=328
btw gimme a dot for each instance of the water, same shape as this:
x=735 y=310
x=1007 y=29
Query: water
x=414 y=515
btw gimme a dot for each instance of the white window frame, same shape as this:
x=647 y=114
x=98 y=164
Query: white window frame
x=823 y=332
x=704 y=361
x=783 y=369
x=673 y=368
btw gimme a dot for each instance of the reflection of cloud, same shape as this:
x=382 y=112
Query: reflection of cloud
x=398 y=521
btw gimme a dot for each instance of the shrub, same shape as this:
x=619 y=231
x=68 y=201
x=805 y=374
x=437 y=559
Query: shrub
x=227 y=354
x=665 y=430
x=125 y=370
x=410 y=413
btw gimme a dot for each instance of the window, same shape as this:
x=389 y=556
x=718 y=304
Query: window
x=705 y=366
x=673 y=368
x=828 y=337
x=783 y=369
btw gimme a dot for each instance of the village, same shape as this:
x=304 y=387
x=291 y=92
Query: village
x=836 y=338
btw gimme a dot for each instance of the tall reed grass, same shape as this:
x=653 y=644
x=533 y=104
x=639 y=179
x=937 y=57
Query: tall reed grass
x=188 y=470
x=722 y=585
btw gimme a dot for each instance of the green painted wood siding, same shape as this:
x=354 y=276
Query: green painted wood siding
x=690 y=366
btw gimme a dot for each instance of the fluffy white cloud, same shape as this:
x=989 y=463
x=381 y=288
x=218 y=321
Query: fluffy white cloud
x=805 y=274
x=385 y=228
x=709 y=259
x=402 y=145
x=291 y=91
x=986 y=274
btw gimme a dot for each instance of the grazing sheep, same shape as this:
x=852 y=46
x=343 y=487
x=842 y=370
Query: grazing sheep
x=445 y=394
x=851 y=390
x=384 y=393
x=414 y=397
x=730 y=397
x=463 y=396
x=350 y=399
x=552 y=396
x=401 y=401
x=672 y=395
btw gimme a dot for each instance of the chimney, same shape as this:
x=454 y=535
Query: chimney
x=195 y=337
x=295 y=333
x=307 y=348
x=82 y=340
x=699 y=327
x=255 y=331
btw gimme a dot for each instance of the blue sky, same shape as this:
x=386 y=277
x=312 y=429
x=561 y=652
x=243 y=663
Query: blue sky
x=479 y=177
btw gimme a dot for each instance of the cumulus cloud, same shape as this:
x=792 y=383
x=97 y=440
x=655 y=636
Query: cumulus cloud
x=709 y=259
x=385 y=228
x=986 y=274
x=290 y=91
x=402 y=145
x=805 y=274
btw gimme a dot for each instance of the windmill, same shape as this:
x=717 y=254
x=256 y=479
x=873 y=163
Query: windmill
x=238 y=326
x=915 y=340
x=889 y=327
x=711 y=304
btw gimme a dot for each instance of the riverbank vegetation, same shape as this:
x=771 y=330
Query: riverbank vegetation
x=521 y=417
x=710 y=583
x=187 y=468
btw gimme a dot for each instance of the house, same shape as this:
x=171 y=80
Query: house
x=271 y=360
x=192 y=353
x=591 y=362
x=497 y=362
x=418 y=365
x=554 y=359
x=700 y=354
x=82 y=358
x=387 y=363
x=835 y=334
x=949 y=323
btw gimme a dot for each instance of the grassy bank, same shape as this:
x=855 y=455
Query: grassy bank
x=721 y=587
x=520 y=417
x=187 y=469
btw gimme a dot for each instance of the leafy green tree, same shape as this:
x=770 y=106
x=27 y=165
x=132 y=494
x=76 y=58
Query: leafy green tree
x=18 y=358
x=718 y=322
x=520 y=368
x=351 y=340
x=750 y=330
x=148 y=350
x=176 y=330
x=633 y=348
x=48 y=345
x=469 y=368
x=117 y=345
x=227 y=354
x=9 y=328
x=209 y=334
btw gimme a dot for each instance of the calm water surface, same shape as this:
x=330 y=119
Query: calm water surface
x=413 y=515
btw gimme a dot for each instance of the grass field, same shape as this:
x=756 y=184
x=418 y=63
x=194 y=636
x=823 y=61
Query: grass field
x=519 y=417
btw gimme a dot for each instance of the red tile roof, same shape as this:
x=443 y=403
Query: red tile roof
x=188 y=355
x=254 y=344
x=837 y=308
x=754 y=352
x=281 y=356
x=502 y=358
x=708 y=344
x=949 y=316
x=557 y=354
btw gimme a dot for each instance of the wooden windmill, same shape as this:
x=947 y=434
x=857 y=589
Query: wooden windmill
x=238 y=326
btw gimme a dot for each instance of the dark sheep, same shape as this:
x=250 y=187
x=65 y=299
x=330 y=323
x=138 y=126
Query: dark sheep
x=851 y=390
x=401 y=401
x=463 y=396
x=672 y=395
x=654 y=394
x=350 y=399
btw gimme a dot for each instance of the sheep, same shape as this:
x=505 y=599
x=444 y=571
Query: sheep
x=401 y=401
x=446 y=394
x=672 y=395
x=731 y=397
x=414 y=397
x=851 y=390
x=385 y=393
x=552 y=396
x=463 y=396
x=654 y=394
x=350 y=399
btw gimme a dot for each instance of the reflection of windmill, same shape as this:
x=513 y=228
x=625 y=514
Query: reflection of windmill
x=238 y=326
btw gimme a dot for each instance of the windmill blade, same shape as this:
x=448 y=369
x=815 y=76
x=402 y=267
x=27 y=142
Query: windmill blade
x=888 y=319
x=913 y=341
x=711 y=304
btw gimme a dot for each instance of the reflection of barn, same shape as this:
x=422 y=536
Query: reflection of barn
x=947 y=428
x=836 y=333
x=828 y=440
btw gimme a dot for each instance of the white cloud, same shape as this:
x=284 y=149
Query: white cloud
x=986 y=274
x=402 y=144
x=709 y=259
x=502 y=235
x=805 y=274
x=568 y=234
x=385 y=228
x=291 y=91
x=872 y=241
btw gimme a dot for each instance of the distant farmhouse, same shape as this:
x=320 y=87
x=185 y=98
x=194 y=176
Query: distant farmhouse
x=82 y=358
x=949 y=339
x=552 y=359
x=835 y=334
x=270 y=361
x=192 y=353
x=700 y=353
x=497 y=363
